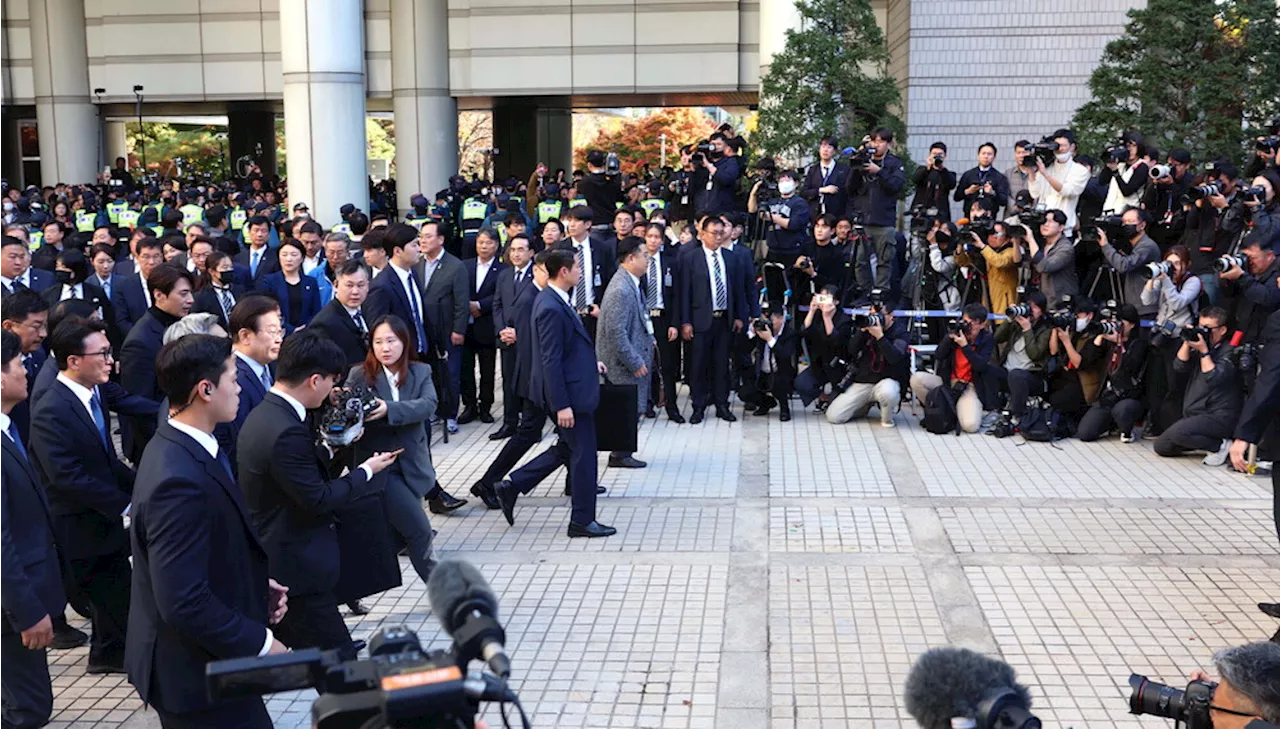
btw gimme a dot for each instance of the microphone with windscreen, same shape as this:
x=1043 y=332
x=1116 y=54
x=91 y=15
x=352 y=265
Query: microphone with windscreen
x=468 y=611
x=946 y=683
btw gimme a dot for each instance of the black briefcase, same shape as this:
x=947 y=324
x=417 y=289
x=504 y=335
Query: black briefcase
x=618 y=419
x=367 y=548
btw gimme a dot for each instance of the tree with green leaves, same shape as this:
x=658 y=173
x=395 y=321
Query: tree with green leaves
x=831 y=78
x=1199 y=74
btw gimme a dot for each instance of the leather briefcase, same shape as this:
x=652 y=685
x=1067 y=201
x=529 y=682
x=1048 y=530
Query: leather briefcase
x=618 y=418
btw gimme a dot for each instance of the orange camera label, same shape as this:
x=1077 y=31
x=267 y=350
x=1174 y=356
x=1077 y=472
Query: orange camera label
x=421 y=678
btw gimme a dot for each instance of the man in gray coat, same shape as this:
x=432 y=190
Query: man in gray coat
x=624 y=336
x=1131 y=266
x=1055 y=259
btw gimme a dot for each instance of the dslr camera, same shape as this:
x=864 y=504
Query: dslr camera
x=761 y=325
x=1189 y=707
x=1200 y=192
x=1268 y=144
x=1226 y=263
x=1018 y=310
x=1192 y=332
x=873 y=319
x=1152 y=270
x=1256 y=193
x=957 y=326
x=1159 y=172
x=342 y=418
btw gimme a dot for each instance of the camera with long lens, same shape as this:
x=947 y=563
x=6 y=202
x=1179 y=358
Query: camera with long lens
x=877 y=299
x=864 y=321
x=1112 y=225
x=1200 y=192
x=1046 y=150
x=1159 y=172
x=1118 y=153
x=922 y=218
x=1268 y=144
x=1152 y=270
x=342 y=417
x=1033 y=218
x=1226 y=263
x=1105 y=326
x=1188 y=707
x=981 y=226
x=1192 y=332
x=1018 y=310
x=1256 y=193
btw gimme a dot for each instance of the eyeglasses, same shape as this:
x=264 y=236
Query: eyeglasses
x=274 y=333
x=104 y=353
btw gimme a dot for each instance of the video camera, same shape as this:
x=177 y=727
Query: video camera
x=922 y=218
x=1113 y=225
x=1047 y=150
x=342 y=417
x=1034 y=217
x=861 y=155
x=612 y=165
x=981 y=226
x=700 y=152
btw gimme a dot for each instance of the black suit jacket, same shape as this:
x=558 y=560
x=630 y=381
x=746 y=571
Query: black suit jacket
x=270 y=263
x=276 y=287
x=604 y=263
x=446 y=298
x=522 y=320
x=38 y=279
x=820 y=203
x=669 y=270
x=200 y=575
x=482 y=328
x=291 y=498
x=334 y=321
x=252 y=392
x=30 y=575
x=129 y=302
x=45 y=257
x=206 y=302
x=504 y=301
x=782 y=355
x=387 y=295
x=35 y=365
x=89 y=488
x=697 y=300
x=138 y=375
x=93 y=294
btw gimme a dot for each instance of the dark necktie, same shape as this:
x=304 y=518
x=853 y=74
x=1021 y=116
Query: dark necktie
x=18 y=285
x=654 y=283
x=100 y=420
x=225 y=463
x=417 y=315
x=580 y=291
x=359 y=320
x=519 y=274
x=29 y=364
x=17 y=441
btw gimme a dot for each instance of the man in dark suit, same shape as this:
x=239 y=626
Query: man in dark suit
x=170 y=288
x=200 y=590
x=89 y=488
x=662 y=297
x=256 y=332
x=513 y=281
x=566 y=380
x=258 y=258
x=773 y=367
x=46 y=256
x=26 y=314
x=824 y=182
x=480 y=343
x=290 y=496
x=132 y=298
x=220 y=292
x=16 y=272
x=74 y=282
x=711 y=309
x=343 y=318
x=32 y=580
x=598 y=261
x=446 y=300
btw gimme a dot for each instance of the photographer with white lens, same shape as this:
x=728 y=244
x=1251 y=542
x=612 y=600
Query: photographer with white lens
x=877 y=368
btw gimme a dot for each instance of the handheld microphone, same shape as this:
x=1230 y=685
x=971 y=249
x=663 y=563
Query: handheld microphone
x=962 y=221
x=957 y=682
x=468 y=611
x=847 y=151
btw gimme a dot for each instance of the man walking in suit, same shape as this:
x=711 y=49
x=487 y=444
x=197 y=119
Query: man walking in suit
x=482 y=278
x=16 y=272
x=26 y=314
x=566 y=380
x=290 y=496
x=258 y=258
x=597 y=260
x=200 y=590
x=446 y=307
x=89 y=488
x=220 y=291
x=661 y=287
x=710 y=311
x=512 y=282
x=343 y=318
x=256 y=331
x=624 y=341
x=32 y=580
x=171 y=298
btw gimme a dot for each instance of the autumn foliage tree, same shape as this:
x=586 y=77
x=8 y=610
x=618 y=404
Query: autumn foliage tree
x=639 y=141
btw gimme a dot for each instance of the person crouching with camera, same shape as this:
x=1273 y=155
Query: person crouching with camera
x=1213 y=399
x=826 y=334
x=962 y=359
x=876 y=370
x=1122 y=400
x=1022 y=353
x=399 y=422
x=1075 y=377
x=774 y=355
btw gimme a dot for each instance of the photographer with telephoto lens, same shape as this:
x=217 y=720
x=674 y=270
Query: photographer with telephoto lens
x=1214 y=223
x=1175 y=293
x=1213 y=397
x=876 y=370
x=1261 y=201
x=1075 y=379
x=873 y=185
x=1057 y=180
x=1122 y=400
x=1022 y=355
x=1125 y=173
x=1249 y=691
x=962 y=359
x=1249 y=282
x=1265 y=150
x=1164 y=198
x=941 y=269
x=1132 y=265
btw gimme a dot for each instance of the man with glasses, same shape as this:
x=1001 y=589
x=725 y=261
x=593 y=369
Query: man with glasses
x=88 y=486
x=1248 y=687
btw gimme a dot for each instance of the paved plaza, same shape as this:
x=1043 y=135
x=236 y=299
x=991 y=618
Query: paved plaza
x=785 y=575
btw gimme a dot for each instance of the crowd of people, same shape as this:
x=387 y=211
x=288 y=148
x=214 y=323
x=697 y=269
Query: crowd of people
x=222 y=326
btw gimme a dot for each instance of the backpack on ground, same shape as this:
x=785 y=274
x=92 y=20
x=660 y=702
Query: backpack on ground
x=1041 y=423
x=940 y=410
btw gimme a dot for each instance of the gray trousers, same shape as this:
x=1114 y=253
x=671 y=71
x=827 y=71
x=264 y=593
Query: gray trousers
x=404 y=511
x=856 y=402
x=882 y=244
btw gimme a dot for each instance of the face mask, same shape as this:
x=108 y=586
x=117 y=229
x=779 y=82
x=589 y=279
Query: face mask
x=8 y=208
x=64 y=278
x=942 y=237
x=1082 y=324
x=1130 y=231
x=1063 y=158
x=786 y=187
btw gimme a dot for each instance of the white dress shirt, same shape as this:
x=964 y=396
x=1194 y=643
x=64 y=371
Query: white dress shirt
x=564 y=295
x=393 y=382
x=257 y=367
x=210 y=444
x=24 y=279
x=310 y=264
x=522 y=274
x=352 y=313
x=71 y=292
x=104 y=284
x=712 y=256
x=482 y=271
x=410 y=290
x=4 y=426
x=146 y=291
x=660 y=302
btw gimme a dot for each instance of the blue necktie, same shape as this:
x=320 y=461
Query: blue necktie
x=95 y=406
x=266 y=378
x=254 y=258
x=17 y=441
x=417 y=316
x=225 y=463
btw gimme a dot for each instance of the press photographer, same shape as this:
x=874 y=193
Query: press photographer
x=1054 y=259
x=940 y=286
x=1131 y=257
x=1022 y=355
x=961 y=363
x=934 y=182
x=723 y=170
x=1125 y=172
x=1076 y=378
x=1249 y=282
x=774 y=364
x=1001 y=250
x=1123 y=397
x=1057 y=180
x=1262 y=204
x=1019 y=175
x=876 y=177
x=1248 y=692
x=876 y=369
x=821 y=263
x=1214 y=223
x=1163 y=198
x=1175 y=292
x=826 y=335
x=1213 y=396
x=788 y=218
x=602 y=188
x=1265 y=151
x=680 y=189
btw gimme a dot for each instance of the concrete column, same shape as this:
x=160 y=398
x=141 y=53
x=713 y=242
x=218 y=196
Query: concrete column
x=426 y=115
x=251 y=131
x=115 y=142
x=322 y=62
x=60 y=64
x=555 y=138
x=529 y=130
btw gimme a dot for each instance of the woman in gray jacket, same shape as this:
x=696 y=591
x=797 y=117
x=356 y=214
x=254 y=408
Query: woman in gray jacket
x=406 y=399
x=1177 y=296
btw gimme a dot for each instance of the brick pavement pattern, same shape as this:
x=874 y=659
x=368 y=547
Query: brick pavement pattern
x=786 y=575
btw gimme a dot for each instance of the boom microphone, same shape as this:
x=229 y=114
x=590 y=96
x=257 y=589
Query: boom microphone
x=957 y=682
x=468 y=611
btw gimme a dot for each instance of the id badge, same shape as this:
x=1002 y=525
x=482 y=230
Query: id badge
x=597 y=284
x=684 y=199
x=666 y=279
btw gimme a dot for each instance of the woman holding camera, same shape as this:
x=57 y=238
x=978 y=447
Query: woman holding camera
x=1122 y=399
x=406 y=399
x=1265 y=208
x=1177 y=294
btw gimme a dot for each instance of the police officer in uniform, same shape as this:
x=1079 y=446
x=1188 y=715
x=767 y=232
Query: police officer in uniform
x=421 y=211
x=471 y=218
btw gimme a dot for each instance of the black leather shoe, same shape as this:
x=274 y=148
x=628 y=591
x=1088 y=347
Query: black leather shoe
x=599 y=491
x=485 y=416
x=726 y=415
x=468 y=415
x=594 y=529
x=785 y=415
x=761 y=409
x=505 y=431
x=67 y=637
x=651 y=413
x=675 y=416
x=355 y=607
x=445 y=503
x=626 y=462
x=507 y=495
x=99 y=669
x=697 y=416
x=486 y=494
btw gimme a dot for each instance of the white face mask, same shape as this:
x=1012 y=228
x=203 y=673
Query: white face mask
x=1063 y=158
x=786 y=187
x=1082 y=324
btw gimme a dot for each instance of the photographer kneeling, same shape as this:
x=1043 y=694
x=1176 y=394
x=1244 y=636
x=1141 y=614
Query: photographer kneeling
x=1252 y=286
x=1076 y=378
x=1175 y=292
x=962 y=358
x=876 y=370
x=1022 y=349
x=1213 y=398
x=826 y=333
x=774 y=349
x=1121 y=402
